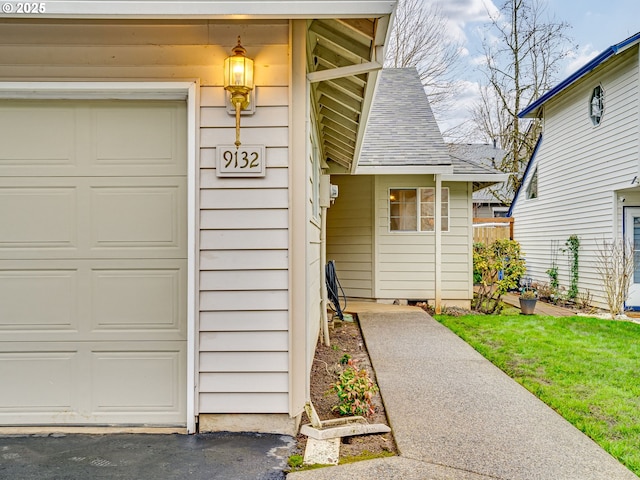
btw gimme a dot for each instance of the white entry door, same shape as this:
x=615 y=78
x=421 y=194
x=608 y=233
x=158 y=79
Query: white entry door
x=632 y=235
x=93 y=262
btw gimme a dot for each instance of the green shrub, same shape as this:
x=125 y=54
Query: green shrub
x=500 y=266
x=355 y=390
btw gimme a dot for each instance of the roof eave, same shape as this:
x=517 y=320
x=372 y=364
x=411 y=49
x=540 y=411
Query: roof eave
x=404 y=170
x=476 y=177
x=533 y=110
x=222 y=9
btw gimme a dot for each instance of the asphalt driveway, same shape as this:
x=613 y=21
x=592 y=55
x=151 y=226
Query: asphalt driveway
x=143 y=457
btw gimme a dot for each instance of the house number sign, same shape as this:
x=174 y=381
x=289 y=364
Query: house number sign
x=246 y=161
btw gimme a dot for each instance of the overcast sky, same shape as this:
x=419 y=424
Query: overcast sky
x=595 y=26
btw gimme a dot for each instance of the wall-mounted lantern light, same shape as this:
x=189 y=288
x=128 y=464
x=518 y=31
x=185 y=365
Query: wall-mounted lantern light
x=238 y=81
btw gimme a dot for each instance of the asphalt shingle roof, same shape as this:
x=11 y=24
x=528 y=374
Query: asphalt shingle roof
x=401 y=129
x=479 y=158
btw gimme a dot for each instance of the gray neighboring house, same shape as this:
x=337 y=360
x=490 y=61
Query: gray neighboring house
x=485 y=203
x=401 y=227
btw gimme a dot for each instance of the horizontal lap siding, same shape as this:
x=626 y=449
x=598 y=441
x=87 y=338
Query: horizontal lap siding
x=579 y=168
x=244 y=241
x=244 y=222
x=406 y=262
x=350 y=234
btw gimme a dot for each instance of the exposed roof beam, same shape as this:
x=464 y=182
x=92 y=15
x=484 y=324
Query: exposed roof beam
x=331 y=35
x=347 y=100
x=334 y=147
x=339 y=159
x=330 y=57
x=336 y=126
x=341 y=72
x=338 y=108
x=338 y=140
x=364 y=26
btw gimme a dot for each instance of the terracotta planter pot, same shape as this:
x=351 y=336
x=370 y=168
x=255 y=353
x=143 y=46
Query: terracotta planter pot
x=527 y=305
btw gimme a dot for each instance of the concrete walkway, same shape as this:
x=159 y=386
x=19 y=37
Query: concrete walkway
x=456 y=416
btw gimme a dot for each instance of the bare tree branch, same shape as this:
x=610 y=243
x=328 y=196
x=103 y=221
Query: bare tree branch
x=522 y=58
x=417 y=40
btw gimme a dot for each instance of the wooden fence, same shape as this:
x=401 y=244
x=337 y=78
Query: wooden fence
x=487 y=230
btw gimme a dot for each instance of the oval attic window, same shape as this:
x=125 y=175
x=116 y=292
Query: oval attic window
x=596 y=105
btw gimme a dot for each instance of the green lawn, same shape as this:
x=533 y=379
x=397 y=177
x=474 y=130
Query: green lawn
x=587 y=369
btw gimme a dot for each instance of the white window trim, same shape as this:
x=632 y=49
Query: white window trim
x=152 y=90
x=413 y=232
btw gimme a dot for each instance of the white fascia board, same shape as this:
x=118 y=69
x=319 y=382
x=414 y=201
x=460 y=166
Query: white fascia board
x=480 y=177
x=404 y=170
x=238 y=9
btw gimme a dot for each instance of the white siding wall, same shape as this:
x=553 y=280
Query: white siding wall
x=405 y=261
x=244 y=236
x=579 y=168
x=350 y=234
x=397 y=265
x=244 y=242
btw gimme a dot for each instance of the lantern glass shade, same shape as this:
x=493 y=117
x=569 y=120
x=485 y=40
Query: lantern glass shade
x=238 y=73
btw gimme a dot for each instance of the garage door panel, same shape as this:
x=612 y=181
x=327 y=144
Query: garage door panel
x=140 y=216
x=136 y=381
x=38 y=217
x=119 y=141
x=93 y=300
x=93 y=382
x=136 y=299
x=37 y=138
x=128 y=217
x=58 y=138
x=38 y=300
x=24 y=375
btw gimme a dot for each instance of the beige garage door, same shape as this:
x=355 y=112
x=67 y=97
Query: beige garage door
x=92 y=262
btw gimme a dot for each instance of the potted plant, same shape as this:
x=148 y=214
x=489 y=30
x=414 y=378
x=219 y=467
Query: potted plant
x=528 y=300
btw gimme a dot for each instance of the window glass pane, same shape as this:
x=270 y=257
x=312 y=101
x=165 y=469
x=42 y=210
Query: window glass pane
x=427 y=195
x=403 y=210
x=405 y=224
x=427 y=209
x=427 y=224
x=406 y=213
x=596 y=105
x=532 y=188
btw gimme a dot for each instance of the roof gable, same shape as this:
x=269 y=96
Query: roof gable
x=402 y=130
